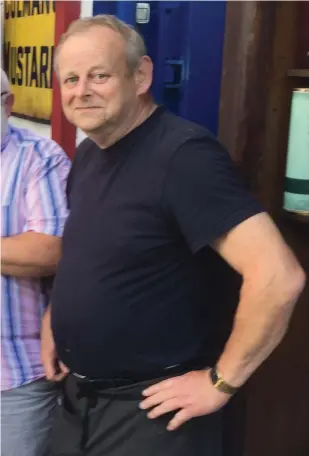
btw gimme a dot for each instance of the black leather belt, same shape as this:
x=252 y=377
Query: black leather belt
x=106 y=383
x=103 y=383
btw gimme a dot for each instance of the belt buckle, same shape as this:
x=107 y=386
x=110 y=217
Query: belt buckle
x=108 y=383
x=79 y=376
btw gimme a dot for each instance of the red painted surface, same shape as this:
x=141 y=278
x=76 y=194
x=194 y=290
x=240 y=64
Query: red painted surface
x=63 y=132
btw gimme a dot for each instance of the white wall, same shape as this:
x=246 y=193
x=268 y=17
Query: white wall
x=41 y=129
x=86 y=8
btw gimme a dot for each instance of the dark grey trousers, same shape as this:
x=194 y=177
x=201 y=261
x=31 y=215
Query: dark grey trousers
x=111 y=424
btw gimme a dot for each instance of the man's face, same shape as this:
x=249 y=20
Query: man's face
x=96 y=87
x=7 y=100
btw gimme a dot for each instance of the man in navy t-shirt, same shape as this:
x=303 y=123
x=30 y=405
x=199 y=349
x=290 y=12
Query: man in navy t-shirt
x=131 y=315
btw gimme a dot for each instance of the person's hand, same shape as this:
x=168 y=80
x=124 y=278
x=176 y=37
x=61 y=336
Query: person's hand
x=54 y=370
x=189 y=395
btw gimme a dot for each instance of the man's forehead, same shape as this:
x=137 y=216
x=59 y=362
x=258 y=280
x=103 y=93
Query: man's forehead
x=101 y=44
x=97 y=38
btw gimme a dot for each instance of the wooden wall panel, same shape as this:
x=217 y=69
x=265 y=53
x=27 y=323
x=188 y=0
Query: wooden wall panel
x=260 y=47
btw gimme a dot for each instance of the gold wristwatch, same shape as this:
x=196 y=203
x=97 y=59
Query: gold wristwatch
x=219 y=383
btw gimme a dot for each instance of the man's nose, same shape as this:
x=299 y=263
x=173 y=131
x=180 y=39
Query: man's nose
x=82 y=89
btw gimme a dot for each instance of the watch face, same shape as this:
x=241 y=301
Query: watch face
x=214 y=376
x=219 y=383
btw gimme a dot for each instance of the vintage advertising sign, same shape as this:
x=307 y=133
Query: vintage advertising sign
x=29 y=35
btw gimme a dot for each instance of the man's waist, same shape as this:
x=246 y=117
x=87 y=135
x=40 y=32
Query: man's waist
x=102 y=383
x=16 y=376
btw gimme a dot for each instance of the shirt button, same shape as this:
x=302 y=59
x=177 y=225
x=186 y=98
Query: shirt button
x=68 y=350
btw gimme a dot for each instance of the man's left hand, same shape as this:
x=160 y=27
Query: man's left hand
x=191 y=395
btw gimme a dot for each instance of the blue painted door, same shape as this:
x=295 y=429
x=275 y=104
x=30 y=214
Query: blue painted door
x=185 y=41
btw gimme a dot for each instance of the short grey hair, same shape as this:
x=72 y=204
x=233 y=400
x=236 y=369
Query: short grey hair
x=135 y=45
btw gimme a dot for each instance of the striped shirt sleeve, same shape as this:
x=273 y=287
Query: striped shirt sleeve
x=45 y=198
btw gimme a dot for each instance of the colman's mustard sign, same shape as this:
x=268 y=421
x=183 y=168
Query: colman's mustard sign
x=29 y=32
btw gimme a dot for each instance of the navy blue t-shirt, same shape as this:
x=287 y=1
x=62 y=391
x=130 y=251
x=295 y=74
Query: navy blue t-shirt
x=129 y=297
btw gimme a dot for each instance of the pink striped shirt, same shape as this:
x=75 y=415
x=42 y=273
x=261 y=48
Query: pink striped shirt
x=34 y=170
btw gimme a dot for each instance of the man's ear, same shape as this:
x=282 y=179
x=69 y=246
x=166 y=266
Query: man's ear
x=9 y=102
x=143 y=75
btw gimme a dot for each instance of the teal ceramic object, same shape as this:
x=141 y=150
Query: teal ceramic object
x=296 y=194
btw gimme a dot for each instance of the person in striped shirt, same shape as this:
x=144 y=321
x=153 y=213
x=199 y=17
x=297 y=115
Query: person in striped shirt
x=34 y=170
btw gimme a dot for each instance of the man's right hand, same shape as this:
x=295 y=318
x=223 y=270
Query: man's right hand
x=54 y=369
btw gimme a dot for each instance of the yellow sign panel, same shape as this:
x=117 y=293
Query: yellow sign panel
x=29 y=34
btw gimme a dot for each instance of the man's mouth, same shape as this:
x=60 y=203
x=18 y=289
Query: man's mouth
x=85 y=108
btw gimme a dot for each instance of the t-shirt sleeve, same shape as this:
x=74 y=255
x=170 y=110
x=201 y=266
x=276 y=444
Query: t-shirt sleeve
x=203 y=193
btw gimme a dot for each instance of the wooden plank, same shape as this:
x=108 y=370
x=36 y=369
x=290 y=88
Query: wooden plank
x=298 y=73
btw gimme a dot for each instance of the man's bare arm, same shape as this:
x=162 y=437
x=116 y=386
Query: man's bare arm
x=30 y=254
x=272 y=283
x=54 y=369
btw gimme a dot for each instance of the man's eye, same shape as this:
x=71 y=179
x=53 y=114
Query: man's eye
x=100 y=77
x=71 y=80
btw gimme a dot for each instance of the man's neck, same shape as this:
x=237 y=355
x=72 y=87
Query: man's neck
x=132 y=121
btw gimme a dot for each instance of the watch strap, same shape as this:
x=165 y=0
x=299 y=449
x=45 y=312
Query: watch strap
x=219 y=383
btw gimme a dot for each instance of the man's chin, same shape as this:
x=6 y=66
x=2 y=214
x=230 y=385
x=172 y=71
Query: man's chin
x=89 y=128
